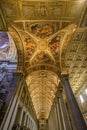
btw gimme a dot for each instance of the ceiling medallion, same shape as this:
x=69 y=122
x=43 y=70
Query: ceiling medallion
x=43 y=45
x=43 y=74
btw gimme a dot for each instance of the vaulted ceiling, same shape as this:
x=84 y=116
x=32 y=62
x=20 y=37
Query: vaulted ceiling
x=49 y=40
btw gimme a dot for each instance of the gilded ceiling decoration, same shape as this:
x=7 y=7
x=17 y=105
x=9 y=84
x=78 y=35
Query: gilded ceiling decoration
x=41 y=47
x=42 y=86
x=47 y=41
x=76 y=59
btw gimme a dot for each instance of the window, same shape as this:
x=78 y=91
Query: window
x=85 y=91
x=81 y=98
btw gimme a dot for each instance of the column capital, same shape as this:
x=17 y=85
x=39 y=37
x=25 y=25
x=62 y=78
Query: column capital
x=60 y=89
x=59 y=93
x=64 y=76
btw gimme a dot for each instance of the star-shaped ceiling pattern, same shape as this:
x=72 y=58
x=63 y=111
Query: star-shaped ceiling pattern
x=43 y=47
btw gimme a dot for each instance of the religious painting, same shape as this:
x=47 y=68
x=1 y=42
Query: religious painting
x=42 y=57
x=30 y=46
x=42 y=30
x=54 y=44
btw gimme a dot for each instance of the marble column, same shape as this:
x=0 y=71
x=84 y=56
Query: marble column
x=54 y=117
x=8 y=121
x=61 y=125
x=57 y=117
x=65 y=114
x=77 y=118
x=28 y=121
x=21 y=116
x=25 y=116
x=51 y=121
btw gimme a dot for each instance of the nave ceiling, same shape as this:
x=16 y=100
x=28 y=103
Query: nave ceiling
x=48 y=42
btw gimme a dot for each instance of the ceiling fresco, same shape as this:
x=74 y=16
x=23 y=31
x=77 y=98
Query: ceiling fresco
x=48 y=39
x=41 y=47
x=42 y=30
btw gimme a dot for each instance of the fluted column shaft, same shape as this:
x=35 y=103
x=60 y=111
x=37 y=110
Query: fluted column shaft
x=61 y=125
x=20 y=121
x=64 y=114
x=57 y=116
x=54 y=117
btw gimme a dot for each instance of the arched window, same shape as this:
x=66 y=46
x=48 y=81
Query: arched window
x=7 y=47
x=85 y=91
x=81 y=98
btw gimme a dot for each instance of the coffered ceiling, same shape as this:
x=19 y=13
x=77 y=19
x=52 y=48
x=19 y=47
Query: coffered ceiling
x=43 y=85
x=48 y=40
x=76 y=59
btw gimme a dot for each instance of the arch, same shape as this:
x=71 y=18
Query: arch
x=20 y=49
